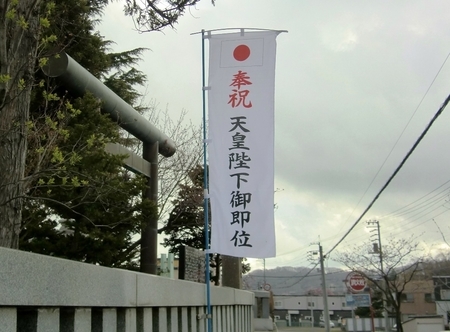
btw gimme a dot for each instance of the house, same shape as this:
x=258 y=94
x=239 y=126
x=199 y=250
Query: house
x=424 y=324
x=418 y=299
x=442 y=296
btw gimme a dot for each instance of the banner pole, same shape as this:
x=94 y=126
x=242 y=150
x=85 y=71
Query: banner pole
x=205 y=199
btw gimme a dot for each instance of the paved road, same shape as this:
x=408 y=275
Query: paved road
x=305 y=329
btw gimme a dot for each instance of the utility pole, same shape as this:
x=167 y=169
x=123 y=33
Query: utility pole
x=375 y=225
x=324 y=291
x=326 y=312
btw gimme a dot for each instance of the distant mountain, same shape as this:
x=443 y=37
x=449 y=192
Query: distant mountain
x=289 y=280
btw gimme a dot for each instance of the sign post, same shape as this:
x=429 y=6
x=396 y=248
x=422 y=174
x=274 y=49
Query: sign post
x=355 y=283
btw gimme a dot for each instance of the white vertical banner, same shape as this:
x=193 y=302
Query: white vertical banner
x=241 y=143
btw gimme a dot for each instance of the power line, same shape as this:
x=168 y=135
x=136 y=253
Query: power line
x=438 y=113
x=303 y=277
x=411 y=207
x=292 y=277
x=401 y=134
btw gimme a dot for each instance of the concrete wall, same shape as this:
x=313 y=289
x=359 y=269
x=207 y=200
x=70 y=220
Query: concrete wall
x=365 y=324
x=41 y=293
x=442 y=308
x=424 y=324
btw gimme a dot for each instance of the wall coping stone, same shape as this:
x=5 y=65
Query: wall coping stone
x=29 y=279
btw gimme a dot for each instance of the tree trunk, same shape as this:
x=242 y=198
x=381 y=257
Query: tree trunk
x=18 y=46
x=398 y=318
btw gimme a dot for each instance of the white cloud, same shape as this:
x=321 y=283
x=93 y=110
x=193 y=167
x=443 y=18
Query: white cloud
x=349 y=78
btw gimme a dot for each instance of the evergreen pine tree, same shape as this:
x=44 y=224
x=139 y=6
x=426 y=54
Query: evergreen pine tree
x=186 y=222
x=29 y=29
x=82 y=204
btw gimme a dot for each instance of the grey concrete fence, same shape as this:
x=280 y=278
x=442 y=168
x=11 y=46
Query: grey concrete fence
x=40 y=293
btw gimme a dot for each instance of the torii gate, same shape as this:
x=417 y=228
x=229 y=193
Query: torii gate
x=78 y=80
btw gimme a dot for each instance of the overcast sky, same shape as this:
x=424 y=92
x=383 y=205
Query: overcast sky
x=350 y=79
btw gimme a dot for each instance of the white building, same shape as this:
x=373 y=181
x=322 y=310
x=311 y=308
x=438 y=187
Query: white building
x=298 y=308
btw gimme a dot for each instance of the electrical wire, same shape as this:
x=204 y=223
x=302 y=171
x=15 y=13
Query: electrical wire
x=399 y=167
x=411 y=207
x=390 y=179
x=401 y=134
x=303 y=277
x=290 y=277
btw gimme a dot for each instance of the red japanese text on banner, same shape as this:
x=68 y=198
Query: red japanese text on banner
x=241 y=145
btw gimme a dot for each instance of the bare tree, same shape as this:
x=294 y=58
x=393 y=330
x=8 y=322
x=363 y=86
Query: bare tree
x=175 y=170
x=401 y=261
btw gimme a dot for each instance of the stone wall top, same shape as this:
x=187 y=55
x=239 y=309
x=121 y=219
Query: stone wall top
x=28 y=279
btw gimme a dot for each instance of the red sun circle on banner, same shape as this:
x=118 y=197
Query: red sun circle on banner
x=241 y=52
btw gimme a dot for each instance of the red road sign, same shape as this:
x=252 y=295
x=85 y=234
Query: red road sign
x=355 y=282
x=267 y=287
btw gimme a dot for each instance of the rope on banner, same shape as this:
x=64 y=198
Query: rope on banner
x=206 y=195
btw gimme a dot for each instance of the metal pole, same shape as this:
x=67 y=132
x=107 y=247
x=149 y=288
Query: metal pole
x=386 y=288
x=372 y=312
x=149 y=231
x=206 y=193
x=354 y=319
x=324 y=291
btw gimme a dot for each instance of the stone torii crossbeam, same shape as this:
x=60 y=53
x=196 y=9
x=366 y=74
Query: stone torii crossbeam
x=79 y=81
